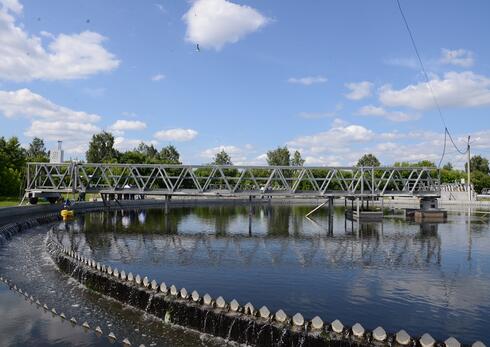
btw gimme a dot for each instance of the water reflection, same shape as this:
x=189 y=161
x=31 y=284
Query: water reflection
x=399 y=274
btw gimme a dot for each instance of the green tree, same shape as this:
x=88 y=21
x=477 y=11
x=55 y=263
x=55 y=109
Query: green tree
x=222 y=158
x=101 y=148
x=448 y=166
x=169 y=155
x=478 y=163
x=368 y=160
x=12 y=166
x=279 y=157
x=425 y=163
x=480 y=180
x=297 y=160
x=37 y=151
x=132 y=157
x=148 y=151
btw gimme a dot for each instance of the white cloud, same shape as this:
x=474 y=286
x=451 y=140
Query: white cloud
x=123 y=125
x=214 y=23
x=359 y=90
x=158 y=77
x=75 y=135
x=395 y=116
x=11 y=5
x=456 y=89
x=25 y=103
x=24 y=57
x=211 y=152
x=334 y=139
x=458 y=57
x=308 y=80
x=123 y=144
x=50 y=121
x=176 y=134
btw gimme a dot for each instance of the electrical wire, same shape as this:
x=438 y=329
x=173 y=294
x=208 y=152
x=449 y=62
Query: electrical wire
x=446 y=130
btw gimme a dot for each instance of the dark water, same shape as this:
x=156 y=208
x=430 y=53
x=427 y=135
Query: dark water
x=25 y=262
x=422 y=278
x=25 y=324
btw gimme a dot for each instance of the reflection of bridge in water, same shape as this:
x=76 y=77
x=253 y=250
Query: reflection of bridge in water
x=369 y=247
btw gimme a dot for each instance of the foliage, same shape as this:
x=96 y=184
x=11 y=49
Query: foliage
x=37 y=151
x=297 y=160
x=101 y=148
x=480 y=180
x=279 y=157
x=169 y=155
x=12 y=166
x=478 y=163
x=451 y=176
x=448 y=166
x=222 y=158
x=368 y=160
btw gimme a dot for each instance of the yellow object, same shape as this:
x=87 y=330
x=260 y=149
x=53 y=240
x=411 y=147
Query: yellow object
x=67 y=213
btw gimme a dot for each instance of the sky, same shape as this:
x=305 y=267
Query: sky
x=331 y=79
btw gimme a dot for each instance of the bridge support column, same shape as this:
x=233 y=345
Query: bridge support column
x=167 y=201
x=250 y=213
x=429 y=211
x=330 y=215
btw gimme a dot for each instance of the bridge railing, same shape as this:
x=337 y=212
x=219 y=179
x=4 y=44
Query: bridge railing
x=231 y=180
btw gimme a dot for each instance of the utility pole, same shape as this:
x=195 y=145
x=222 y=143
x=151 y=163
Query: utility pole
x=469 y=170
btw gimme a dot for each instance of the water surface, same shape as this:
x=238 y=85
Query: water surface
x=401 y=275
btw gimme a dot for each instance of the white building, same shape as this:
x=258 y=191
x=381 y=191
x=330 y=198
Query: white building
x=56 y=155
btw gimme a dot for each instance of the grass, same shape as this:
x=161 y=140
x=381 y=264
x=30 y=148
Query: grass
x=6 y=201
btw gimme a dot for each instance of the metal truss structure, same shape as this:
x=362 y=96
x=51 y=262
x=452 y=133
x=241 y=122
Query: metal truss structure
x=222 y=180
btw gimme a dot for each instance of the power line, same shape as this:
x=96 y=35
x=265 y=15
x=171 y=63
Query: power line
x=446 y=130
x=421 y=63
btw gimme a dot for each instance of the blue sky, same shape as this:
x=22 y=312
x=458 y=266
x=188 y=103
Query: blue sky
x=332 y=79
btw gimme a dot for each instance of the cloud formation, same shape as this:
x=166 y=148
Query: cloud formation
x=177 y=134
x=359 y=90
x=124 y=144
x=458 y=57
x=25 y=57
x=25 y=103
x=394 y=116
x=123 y=125
x=158 y=77
x=334 y=139
x=214 y=23
x=11 y=5
x=49 y=120
x=456 y=89
x=308 y=80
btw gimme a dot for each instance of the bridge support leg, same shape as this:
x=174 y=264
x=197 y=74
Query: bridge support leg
x=250 y=212
x=167 y=200
x=330 y=215
x=104 y=199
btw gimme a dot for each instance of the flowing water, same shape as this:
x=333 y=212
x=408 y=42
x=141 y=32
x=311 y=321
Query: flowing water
x=401 y=275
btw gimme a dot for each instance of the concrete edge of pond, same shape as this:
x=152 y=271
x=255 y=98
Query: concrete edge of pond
x=243 y=324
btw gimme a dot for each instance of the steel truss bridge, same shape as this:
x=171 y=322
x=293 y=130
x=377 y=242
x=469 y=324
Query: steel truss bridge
x=231 y=180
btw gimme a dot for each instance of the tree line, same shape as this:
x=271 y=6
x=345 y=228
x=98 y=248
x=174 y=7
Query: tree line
x=13 y=159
